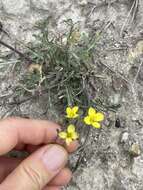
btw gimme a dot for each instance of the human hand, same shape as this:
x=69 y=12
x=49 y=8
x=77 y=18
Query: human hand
x=45 y=168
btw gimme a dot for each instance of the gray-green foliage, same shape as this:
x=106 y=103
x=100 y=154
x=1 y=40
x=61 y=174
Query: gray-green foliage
x=65 y=65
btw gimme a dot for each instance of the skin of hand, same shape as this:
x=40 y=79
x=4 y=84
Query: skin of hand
x=45 y=167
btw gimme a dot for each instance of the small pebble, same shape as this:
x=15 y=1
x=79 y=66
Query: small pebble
x=115 y=99
x=125 y=137
x=135 y=150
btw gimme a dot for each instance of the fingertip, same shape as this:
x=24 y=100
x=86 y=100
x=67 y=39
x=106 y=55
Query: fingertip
x=72 y=147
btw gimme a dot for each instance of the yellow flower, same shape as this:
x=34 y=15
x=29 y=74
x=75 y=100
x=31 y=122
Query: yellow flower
x=93 y=118
x=72 y=112
x=69 y=135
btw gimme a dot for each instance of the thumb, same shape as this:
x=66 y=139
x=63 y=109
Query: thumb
x=37 y=170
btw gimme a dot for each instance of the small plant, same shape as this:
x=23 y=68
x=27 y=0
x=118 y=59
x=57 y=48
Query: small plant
x=61 y=68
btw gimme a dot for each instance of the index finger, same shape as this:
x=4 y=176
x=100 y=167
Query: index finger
x=14 y=131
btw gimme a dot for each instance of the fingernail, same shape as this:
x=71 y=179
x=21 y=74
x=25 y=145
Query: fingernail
x=54 y=158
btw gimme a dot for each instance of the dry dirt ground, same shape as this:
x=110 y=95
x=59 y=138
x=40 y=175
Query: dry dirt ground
x=112 y=157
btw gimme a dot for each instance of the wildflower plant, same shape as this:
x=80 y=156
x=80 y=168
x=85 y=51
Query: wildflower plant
x=62 y=71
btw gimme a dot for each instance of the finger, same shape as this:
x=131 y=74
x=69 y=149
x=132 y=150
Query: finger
x=63 y=178
x=52 y=188
x=38 y=169
x=14 y=131
x=72 y=147
x=7 y=165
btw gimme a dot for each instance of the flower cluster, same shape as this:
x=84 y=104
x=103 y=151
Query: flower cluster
x=93 y=119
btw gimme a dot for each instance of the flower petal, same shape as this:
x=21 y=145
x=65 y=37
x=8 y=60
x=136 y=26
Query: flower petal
x=68 y=111
x=68 y=141
x=75 y=109
x=96 y=125
x=71 y=129
x=75 y=136
x=91 y=111
x=63 y=135
x=99 y=116
x=87 y=120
